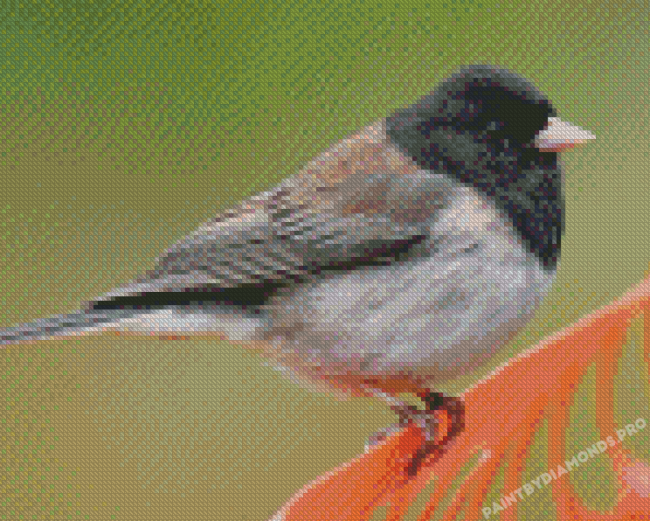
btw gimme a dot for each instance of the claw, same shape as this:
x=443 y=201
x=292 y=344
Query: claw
x=436 y=435
x=379 y=436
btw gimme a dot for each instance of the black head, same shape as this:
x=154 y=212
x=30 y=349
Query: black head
x=479 y=126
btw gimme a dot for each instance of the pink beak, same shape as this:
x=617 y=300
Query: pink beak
x=560 y=135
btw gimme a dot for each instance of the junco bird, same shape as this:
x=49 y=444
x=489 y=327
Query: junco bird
x=400 y=257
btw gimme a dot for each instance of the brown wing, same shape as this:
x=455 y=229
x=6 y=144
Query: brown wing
x=361 y=202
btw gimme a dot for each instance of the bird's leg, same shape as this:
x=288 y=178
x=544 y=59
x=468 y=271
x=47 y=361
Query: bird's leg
x=426 y=420
x=436 y=442
x=404 y=412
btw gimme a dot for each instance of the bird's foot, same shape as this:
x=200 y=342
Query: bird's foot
x=436 y=438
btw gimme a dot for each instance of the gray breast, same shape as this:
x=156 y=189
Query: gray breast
x=451 y=303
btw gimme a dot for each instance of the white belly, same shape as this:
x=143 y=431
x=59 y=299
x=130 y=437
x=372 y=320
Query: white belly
x=437 y=314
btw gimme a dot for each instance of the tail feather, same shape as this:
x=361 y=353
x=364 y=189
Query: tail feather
x=64 y=326
x=225 y=322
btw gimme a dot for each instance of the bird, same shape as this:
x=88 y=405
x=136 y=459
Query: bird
x=404 y=255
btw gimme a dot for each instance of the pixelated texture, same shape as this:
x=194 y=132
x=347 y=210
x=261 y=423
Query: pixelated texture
x=127 y=125
x=487 y=448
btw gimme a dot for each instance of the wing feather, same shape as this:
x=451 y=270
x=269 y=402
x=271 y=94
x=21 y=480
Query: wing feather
x=361 y=202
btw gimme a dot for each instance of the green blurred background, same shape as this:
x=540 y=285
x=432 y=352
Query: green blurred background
x=127 y=124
